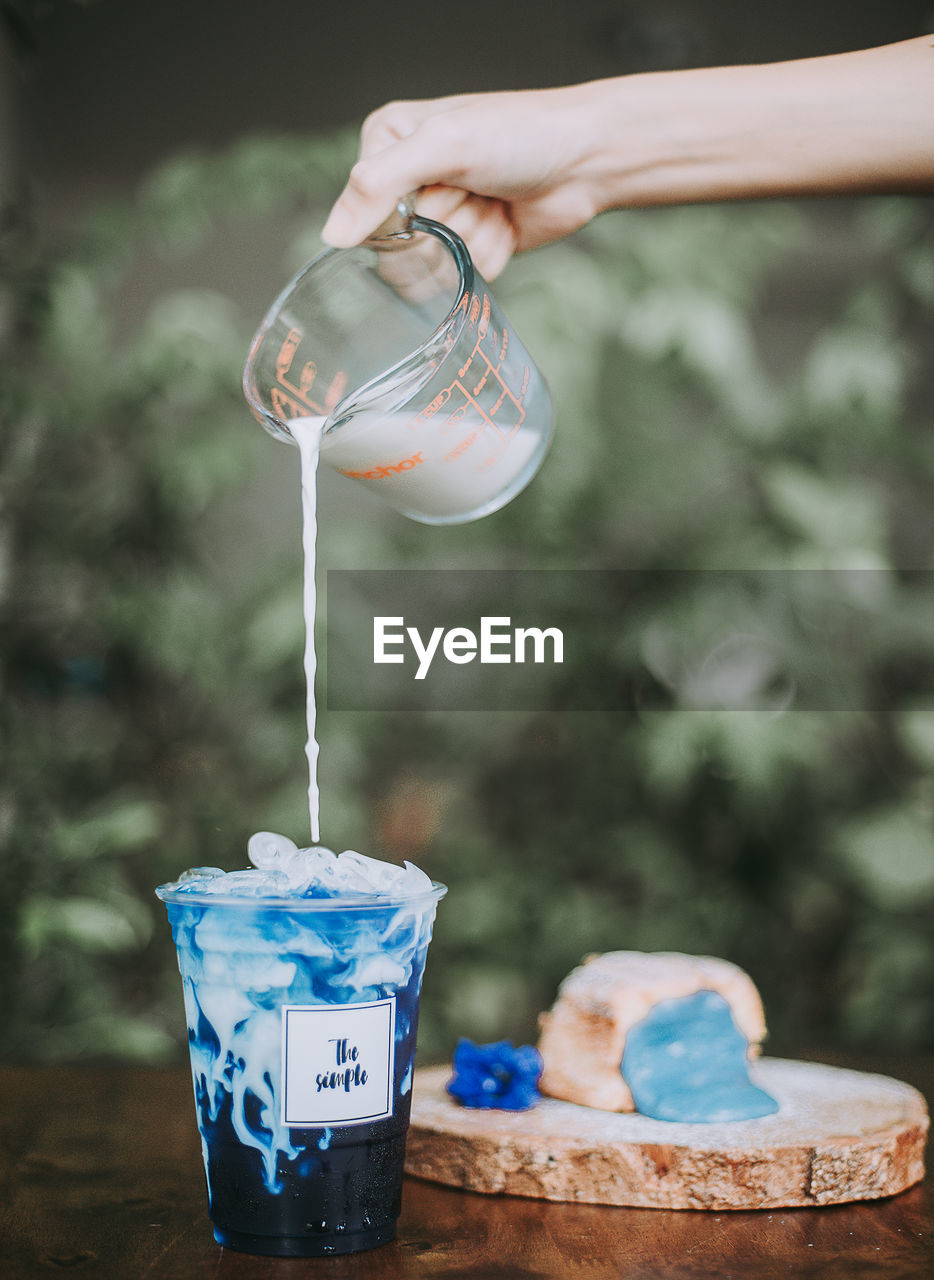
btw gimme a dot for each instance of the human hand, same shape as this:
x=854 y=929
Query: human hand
x=509 y=171
x=506 y=171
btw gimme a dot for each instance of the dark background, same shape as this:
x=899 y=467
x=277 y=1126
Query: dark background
x=115 y=86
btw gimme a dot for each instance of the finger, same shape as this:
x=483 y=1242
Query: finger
x=486 y=229
x=389 y=124
x=357 y=212
x=400 y=119
x=427 y=156
x=358 y=205
x=439 y=203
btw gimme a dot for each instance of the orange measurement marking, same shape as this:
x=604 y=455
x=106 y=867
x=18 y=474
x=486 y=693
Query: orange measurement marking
x=287 y=352
x=479 y=387
x=431 y=409
x=485 y=316
x=462 y=371
x=284 y=406
x=335 y=390
x=462 y=448
x=297 y=394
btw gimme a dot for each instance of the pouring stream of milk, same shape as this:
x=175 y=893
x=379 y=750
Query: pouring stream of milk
x=307 y=434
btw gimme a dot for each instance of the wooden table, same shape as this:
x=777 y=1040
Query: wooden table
x=100 y=1176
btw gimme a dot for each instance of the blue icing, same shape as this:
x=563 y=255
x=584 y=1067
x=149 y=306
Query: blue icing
x=686 y=1061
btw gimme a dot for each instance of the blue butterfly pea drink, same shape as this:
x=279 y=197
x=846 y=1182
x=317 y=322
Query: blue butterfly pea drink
x=301 y=996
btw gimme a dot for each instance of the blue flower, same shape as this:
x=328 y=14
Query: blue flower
x=496 y=1076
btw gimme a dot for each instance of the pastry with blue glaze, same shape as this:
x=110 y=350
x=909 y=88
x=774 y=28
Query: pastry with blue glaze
x=672 y=1036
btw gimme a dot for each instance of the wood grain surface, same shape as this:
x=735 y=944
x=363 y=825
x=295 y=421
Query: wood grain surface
x=838 y=1135
x=101 y=1176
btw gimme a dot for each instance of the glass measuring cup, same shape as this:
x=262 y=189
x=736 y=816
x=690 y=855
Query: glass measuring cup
x=425 y=394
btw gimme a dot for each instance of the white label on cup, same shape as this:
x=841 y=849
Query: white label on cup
x=337 y=1063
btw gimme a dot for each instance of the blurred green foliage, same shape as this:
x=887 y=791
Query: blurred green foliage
x=738 y=387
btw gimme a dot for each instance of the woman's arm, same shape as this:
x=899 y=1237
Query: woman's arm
x=513 y=170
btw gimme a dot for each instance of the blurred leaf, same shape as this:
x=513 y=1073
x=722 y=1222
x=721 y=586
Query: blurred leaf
x=916 y=730
x=854 y=367
x=176 y=199
x=888 y=999
x=191 y=345
x=277 y=633
x=833 y=513
x=485 y=913
x=77 y=328
x=87 y=923
x=487 y=999
x=890 y=854
x=121 y=827
x=917 y=266
x=714 y=338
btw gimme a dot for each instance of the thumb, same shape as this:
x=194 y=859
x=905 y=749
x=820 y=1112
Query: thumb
x=343 y=229
x=356 y=214
x=378 y=181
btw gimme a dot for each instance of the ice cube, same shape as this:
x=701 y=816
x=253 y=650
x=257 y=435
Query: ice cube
x=269 y=851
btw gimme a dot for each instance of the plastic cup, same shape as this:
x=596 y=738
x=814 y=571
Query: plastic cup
x=302 y=1016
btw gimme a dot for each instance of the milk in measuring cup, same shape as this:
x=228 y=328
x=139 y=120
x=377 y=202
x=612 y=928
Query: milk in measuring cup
x=458 y=465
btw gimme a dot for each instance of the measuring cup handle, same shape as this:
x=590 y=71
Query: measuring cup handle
x=398 y=226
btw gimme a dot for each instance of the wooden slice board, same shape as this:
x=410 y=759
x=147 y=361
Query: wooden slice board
x=838 y=1136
